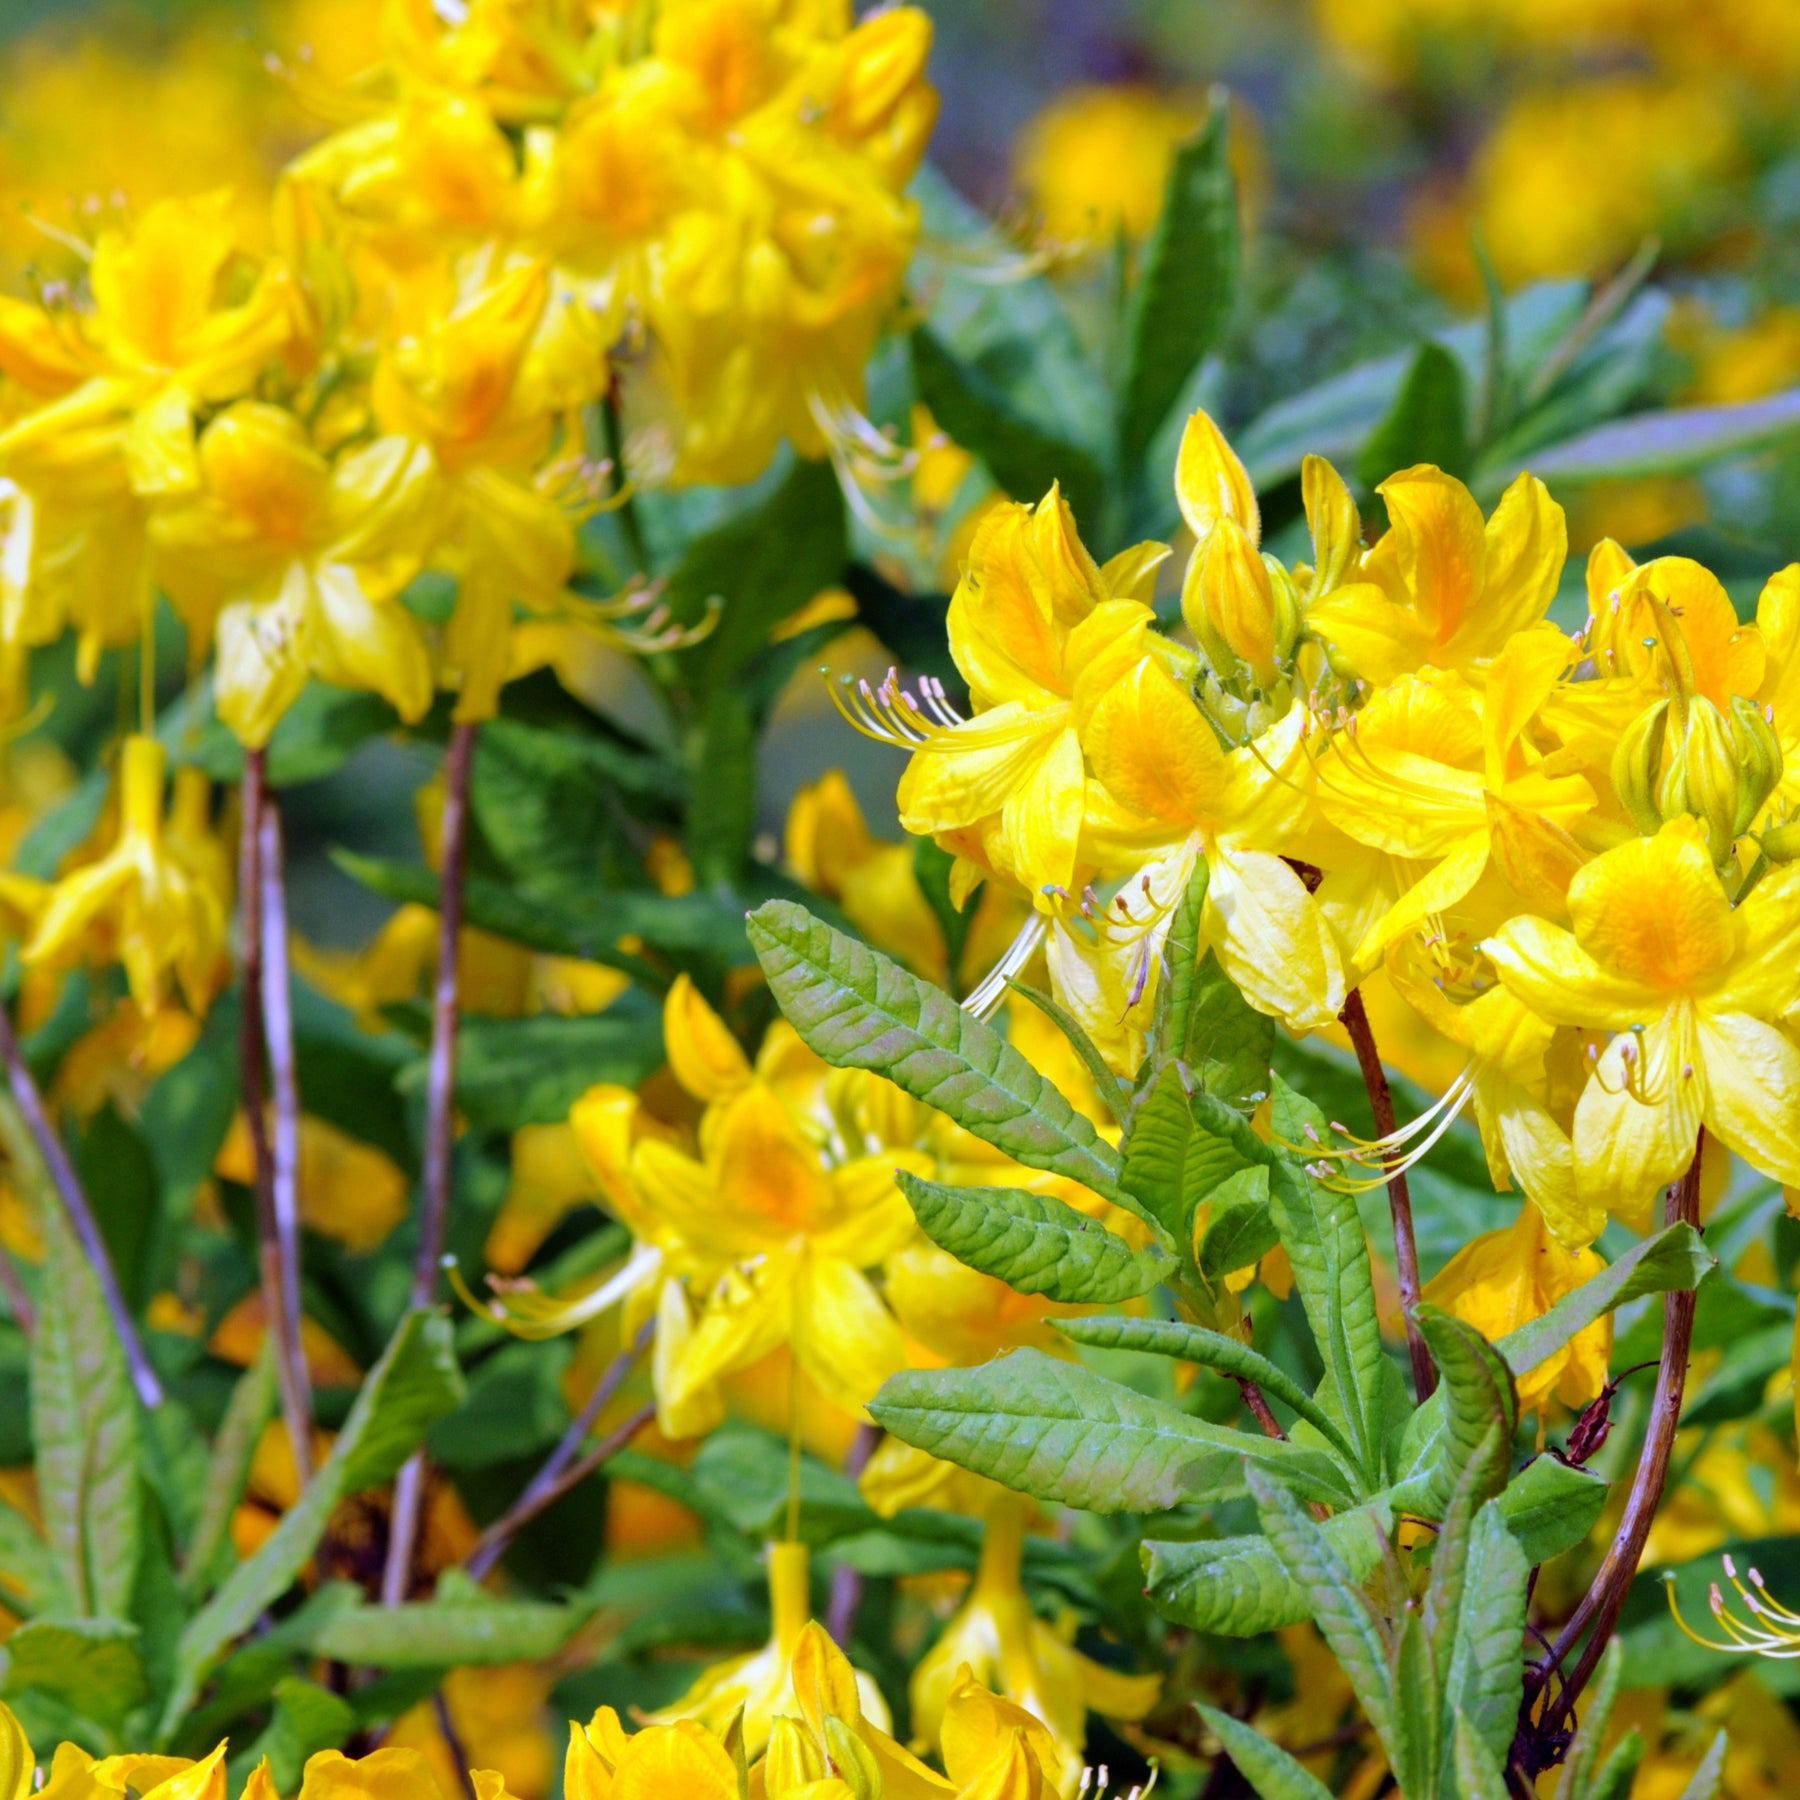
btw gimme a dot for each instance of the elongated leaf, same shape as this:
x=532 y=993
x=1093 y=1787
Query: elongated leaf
x=1175 y=992
x=860 y=1010
x=93 y=1666
x=252 y=1406
x=1035 y=1243
x=1212 y=1350
x=978 y=413
x=1482 y=1683
x=462 y=1625
x=1106 y=1084
x=306 y=1719
x=1477 y=1392
x=1676 y=442
x=1239 y=1587
x=1180 y=1148
x=1323 y=1236
x=1550 y=1507
x=1058 y=1431
x=1266 y=1766
x=1412 y=1746
x=415 y=1382
x=1186 y=283
x=1478 y=1776
x=1613 y=1779
x=1239 y=1228
x=1672 y=1261
x=1704 y=1783
x=1584 y=1753
x=30 y=1581
x=1344 y=1616
x=84 y=1417
x=1427 y=423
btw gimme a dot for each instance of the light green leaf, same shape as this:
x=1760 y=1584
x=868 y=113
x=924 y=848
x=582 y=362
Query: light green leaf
x=29 y=1579
x=1613 y=1780
x=1584 y=1753
x=1058 y=1431
x=980 y=416
x=1483 y=1681
x=1323 y=1236
x=415 y=1382
x=859 y=1009
x=1478 y=1777
x=1212 y=1350
x=1178 y=1150
x=1551 y=1507
x=1704 y=1784
x=460 y=1625
x=1239 y=1587
x=1477 y=1391
x=1187 y=281
x=1427 y=423
x=253 y=1402
x=1344 y=1616
x=1413 y=1749
x=306 y=1719
x=1672 y=1261
x=1267 y=1767
x=1035 y=1243
x=1239 y=1228
x=84 y=1415
x=92 y=1666
x=1676 y=442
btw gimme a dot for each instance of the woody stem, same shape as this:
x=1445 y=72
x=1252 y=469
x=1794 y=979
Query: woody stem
x=265 y=1043
x=440 y=1095
x=1355 y=1020
x=30 y=1104
x=1598 y=1612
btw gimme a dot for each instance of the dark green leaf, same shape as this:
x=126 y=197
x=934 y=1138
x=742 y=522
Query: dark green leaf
x=1187 y=280
x=1266 y=1766
x=514 y=1408
x=912 y=628
x=306 y=1719
x=93 y=1666
x=1551 y=1507
x=460 y=1625
x=1035 y=1243
x=1060 y=1432
x=1476 y=1393
x=860 y=1010
x=1179 y=1149
x=1427 y=423
x=979 y=414
x=722 y=761
x=1239 y=1229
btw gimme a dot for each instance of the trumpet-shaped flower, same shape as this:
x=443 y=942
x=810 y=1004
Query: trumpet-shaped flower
x=1442 y=589
x=300 y=562
x=138 y=903
x=1690 y=986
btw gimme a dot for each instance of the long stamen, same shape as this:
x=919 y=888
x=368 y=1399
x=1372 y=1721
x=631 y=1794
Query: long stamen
x=986 y=997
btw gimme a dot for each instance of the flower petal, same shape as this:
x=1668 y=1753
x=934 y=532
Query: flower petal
x=1753 y=1092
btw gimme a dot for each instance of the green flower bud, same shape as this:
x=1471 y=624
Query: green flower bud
x=1635 y=764
x=1290 y=608
x=1782 y=843
x=1703 y=777
x=1759 y=758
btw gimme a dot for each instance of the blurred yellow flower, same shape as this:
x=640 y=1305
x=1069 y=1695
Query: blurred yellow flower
x=349 y=1191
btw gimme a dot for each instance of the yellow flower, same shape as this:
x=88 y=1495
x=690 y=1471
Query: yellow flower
x=1442 y=589
x=994 y=1749
x=138 y=902
x=1504 y=1279
x=604 y=1762
x=500 y=1719
x=998 y=1640
x=1659 y=956
x=349 y=1191
x=305 y=558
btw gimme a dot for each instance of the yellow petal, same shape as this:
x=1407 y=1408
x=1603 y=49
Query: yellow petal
x=1627 y=1147
x=1210 y=482
x=1435 y=891
x=16 y=1759
x=1014 y=1774
x=586 y=1775
x=1652 y=911
x=1553 y=975
x=1131 y=575
x=1752 y=1080
x=259 y=666
x=745 y=1317
x=1153 y=752
x=683 y=1758
x=1272 y=939
x=1435 y=551
x=366 y=643
x=1526 y=544
x=844 y=1337
x=1332 y=517
x=1370 y=631
x=1041 y=819
x=706 y=1059
x=1238 y=597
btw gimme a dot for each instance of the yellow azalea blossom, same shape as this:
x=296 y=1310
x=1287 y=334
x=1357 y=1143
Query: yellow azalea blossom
x=1442 y=589
x=605 y=1762
x=349 y=1191
x=120 y=1059
x=997 y=1638
x=1505 y=1279
x=299 y=561
x=1036 y=626
x=138 y=903
x=1658 y=956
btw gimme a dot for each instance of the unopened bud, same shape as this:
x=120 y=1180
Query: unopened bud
x=1336 y=528
x=1781 y=844
x=793 y=1760
x=1290 y=609
x=1702 y=777
x=1636 y=764
x=1239 y=597
x=852 y=1761
x=1759 y=759
x=1219 y=654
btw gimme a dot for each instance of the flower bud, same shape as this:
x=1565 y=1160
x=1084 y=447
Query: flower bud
x=1218 y=653
x=1759 y=758
x=1701 y=777
x=1636 y=761
x=1336 y=527
x=793 y=1761
x=1238 y=597
x=852 y=1761
x=1782 y=843
x=1290 y=608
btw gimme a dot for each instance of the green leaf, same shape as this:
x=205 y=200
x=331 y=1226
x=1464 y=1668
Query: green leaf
x=253 y=1403
x=1212 y=1350
x=1058 y=1431
x=415 y=1382
x=30 y=1581
x=1672 y=1261
x=1704 y=1784
x=1476 y=1393
x=460 y=1625
x=1239 y=1587
x=1478 y=1776
x=1178 y=1150
x=92 y=1666
x=978 y=414
x=1187 y=280
x=722 y=817
x=1182 y=949
x=932 y=865
x=84 y=1417
x=1613 y=1780
x=1110 y=1089
x=1677 y=442
x=306 y=1719
x=515 y=1408
x=1035 y=1243
x=1266 y=1766
x=1550 y=1507
x=1483 y=1678
x=1584 y=1752
x=859 y=1009
x=1323 y=1236
x=1345 y=1619
x=911 y=627
x=1413 y=1748
x=1239 y=1228
x=1427 y=423
x=317 y=735
x=530 y=1071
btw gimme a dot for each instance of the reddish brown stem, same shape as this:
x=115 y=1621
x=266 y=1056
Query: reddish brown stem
x=75 y=1206
x=1355 y=1020
x=1259 y=1407
x=265 y=1045
x=1598 y=1612
x=440 y=1121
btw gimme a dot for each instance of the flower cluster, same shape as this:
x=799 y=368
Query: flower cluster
x=1570 y=854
